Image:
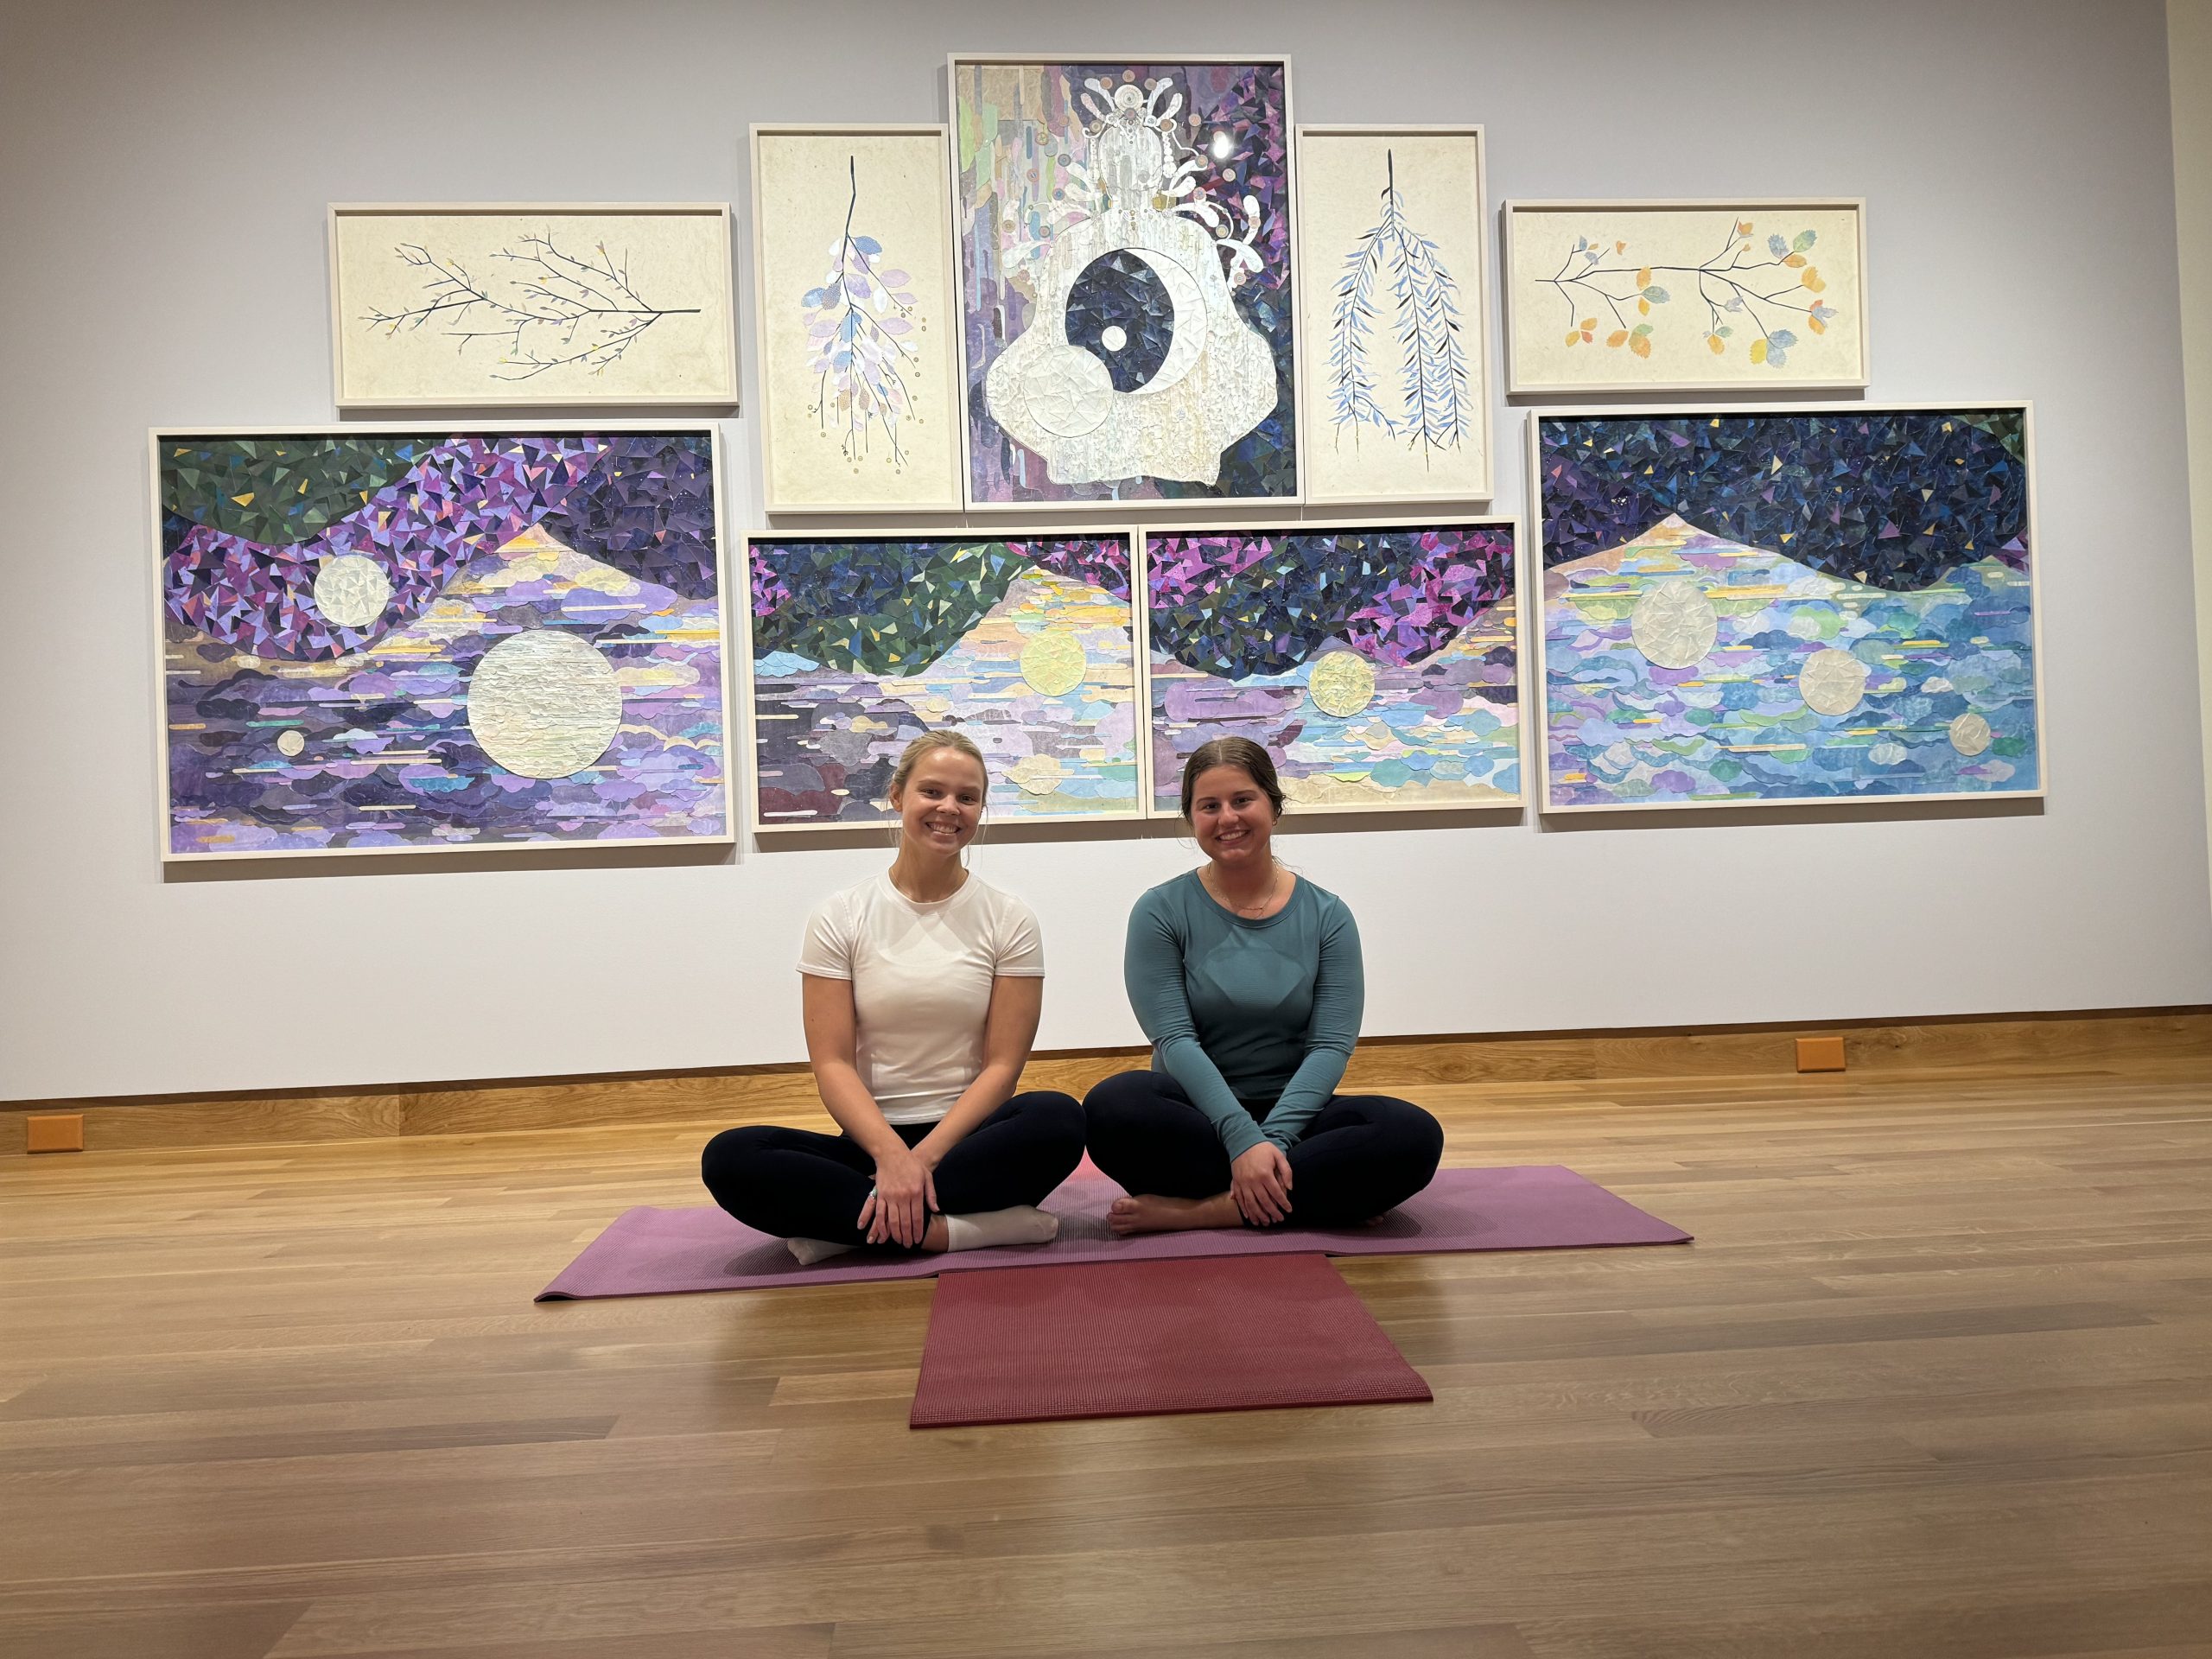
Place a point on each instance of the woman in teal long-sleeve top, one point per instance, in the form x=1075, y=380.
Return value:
x=1247, y=979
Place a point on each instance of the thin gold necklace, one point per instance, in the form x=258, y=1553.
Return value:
x=1275, y=880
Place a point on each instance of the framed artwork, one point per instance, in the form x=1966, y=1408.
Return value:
x=1125, y=247
x=1756, y=606
x=1395, y=313
x=1378, y=664
x=454, y=306
x=855, y=319
x=1760, y=295
x=1026, y=641
x=401, y=640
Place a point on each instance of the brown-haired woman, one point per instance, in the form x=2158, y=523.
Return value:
x=1248, y=980
x=922, y=990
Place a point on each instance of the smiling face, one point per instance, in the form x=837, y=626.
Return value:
x=1231, y=816
x=942, y=803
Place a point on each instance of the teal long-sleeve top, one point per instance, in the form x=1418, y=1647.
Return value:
x=1242, y=1012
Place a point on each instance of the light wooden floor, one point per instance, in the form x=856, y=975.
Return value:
x=1937, y=1379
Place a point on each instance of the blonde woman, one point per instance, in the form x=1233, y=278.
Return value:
x=921, y=987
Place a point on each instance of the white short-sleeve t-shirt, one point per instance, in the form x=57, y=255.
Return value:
x=921, y=978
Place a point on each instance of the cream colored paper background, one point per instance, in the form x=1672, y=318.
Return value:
x=674, y=259
x=1542, y=238
x=1340, y=179
x=800, y=207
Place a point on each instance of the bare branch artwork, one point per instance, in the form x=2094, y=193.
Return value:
x=556, y=311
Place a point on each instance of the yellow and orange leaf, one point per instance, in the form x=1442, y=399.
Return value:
x=1758, y=350
x=1620, y=336
x=1717, y=344
x=1816, y=324
x=1641, y=345
x=1644, y=278
x=1644, y=306
x=1572, y=335
x=1795, y=261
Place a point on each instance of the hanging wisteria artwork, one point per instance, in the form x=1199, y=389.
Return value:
x=1397, y=392
x=853, y=295
x=475, y=306
x=1650, y=296
x=379, y=641
x=1747, y=607
x=1378, y=665
x=1124, y=243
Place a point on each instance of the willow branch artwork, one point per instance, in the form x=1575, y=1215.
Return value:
x=557, y=310
x=1396, y=261
x=1733, y=284
x=860, y=314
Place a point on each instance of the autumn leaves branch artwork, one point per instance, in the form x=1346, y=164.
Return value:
x=1759, y=287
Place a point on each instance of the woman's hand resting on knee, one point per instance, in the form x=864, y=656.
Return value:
x=1259, y=1179
x=905, y=1193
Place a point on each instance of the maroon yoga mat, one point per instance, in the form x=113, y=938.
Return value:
x=647, y=1252
x=1143, y=1338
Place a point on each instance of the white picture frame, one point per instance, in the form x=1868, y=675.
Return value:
x=1637, y=347
x=162, y=641
x=993, y=495
x=1440, y=227
x=511, y=305
x=900, y=449
x=1318, y=801
x=1540, y=574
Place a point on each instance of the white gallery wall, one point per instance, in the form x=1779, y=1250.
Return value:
x=2188, y=37
x=166, y=169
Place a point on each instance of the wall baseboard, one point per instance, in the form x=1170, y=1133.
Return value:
x=756, y=1094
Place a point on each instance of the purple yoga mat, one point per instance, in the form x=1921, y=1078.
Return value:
x=648, y=1252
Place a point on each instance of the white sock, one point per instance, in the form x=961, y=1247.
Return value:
x=1022, y=1225
x=811, y=1250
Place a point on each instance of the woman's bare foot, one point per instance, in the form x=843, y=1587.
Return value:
x=1146, y=1212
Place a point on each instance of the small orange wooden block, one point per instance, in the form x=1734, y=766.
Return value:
x=1820, y=1054
x=54, y=1132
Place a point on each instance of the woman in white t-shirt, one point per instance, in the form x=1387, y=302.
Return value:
x=922, y=991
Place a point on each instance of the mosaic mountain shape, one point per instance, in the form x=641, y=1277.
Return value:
x=1892, y=499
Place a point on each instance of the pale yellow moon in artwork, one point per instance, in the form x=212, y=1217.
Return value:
x=1970, y=733
x=1036, y=774
x=1053, y=663
x=544, y=704
x=1674, y=623
x=352, y=590
x=1341, y=684
x=1832, y=682
x=290, y=743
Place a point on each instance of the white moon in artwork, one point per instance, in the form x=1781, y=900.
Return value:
x=544, y=704
x=290, y=744
x=1832, y=682
x=1112, y=337
x=1674, y=623
x=1970, y=733
x=352, y=590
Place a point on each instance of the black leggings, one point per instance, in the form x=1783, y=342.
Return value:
x=1361, y=1154
x=797, y=1184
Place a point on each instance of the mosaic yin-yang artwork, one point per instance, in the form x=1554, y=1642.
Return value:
x=1378, y=666
x=1752, y=607
x=1026, y=643
x=1124, y=235
x=389, y=642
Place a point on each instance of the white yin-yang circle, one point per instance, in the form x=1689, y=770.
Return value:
x=544, y=704
x=352, y=590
